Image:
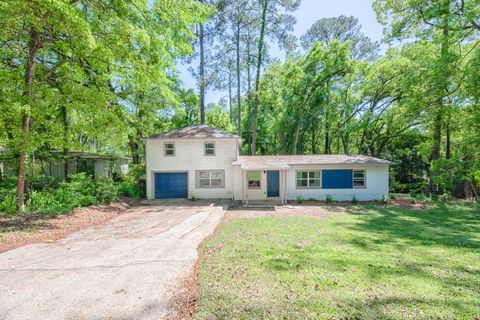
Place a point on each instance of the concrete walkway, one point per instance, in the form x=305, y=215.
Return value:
x=124, y=269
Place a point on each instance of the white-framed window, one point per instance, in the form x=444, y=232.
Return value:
x=210, y=178
x=209, y=148
x=359, y=178
x=169, y=149
x=309, y=179
x=253, y=179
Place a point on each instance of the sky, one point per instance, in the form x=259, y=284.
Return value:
x=307, y=14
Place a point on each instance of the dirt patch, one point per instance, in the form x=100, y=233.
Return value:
x=29, y=228
x=184, y=302
x=405, y=203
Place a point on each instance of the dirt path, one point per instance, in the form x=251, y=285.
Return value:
x=124, y=269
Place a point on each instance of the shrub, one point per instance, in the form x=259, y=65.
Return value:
x=393, y=196
x=446, y=196
x=300, y=199
x=385, y=199
x=106, y=191
x=312, y=199
x=354, y=200
x=129, y=188
x=329, y=199
x=7, y=200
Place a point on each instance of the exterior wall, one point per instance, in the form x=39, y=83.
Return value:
x=189, y=157
x=376, y=183
x=255, y=194
x=102, y=168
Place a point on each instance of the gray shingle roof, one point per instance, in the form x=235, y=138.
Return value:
x=283, y=162
x=201, y=131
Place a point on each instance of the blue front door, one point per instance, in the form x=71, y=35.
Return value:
x=273, y=184
x=169, y=185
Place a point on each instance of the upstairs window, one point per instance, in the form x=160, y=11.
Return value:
x=253, y=179
x=308, y=179
x=359, y=178
x=209, y=148
x=169, y=149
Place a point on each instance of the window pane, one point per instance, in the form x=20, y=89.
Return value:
x=358, y=183
x=254, y=184
x=314, y=182
x=210, y=152
x=217, y=174
x=253, y=175
x=169, y=152
x=302, y=183
x=302, y=175
x=217, y=182
x=358, y=174
x=209, y=145
x=315, y=175
x=204, y=182
x=204, y=175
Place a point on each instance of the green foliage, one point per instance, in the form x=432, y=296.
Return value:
x=354, y=200
x=379, y=250
x=133, y=184
x=106, y=191
x=81, y=190
x=300, y=199
x=329, y=199
x=312, y=199
x=7, y=200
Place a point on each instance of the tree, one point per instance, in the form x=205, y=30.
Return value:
x=56, y=44
x=437, y=23
x=343, y=29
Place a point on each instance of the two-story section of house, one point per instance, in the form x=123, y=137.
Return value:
x=194, y=161
x=203, y=162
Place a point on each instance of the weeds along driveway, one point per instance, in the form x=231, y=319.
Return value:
x=125, y=269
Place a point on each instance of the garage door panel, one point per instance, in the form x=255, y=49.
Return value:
x=169, y=185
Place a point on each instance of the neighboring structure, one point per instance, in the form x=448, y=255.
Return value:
x=204, y=162
x=92, y=164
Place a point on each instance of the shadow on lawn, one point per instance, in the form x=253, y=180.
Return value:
x=451, y=226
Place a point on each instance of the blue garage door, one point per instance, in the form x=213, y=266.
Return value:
x=171, y=185
x=337, y=179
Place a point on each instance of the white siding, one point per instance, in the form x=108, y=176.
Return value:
x=189, y=157
x=376, y=183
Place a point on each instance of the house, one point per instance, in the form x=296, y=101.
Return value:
x=93, y=164
x=203, y=162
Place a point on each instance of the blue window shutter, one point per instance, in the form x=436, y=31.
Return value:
x=337, y=179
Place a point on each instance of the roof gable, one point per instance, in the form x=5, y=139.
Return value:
x=201, y=131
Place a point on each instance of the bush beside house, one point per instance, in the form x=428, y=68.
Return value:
x=50, y=196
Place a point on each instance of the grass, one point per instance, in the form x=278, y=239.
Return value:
x=374, y=262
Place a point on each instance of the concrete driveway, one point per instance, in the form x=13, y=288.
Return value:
x=125, y=269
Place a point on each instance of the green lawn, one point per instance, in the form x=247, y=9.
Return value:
x=373, y=262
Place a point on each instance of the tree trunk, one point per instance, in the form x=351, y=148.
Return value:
x=448, y=141
x=134, y=149
x=230, y=92
x=438, y=118
x=239, y=98
x=257, y=77
x=65, y=141
x=326, y=148
x=248, y=101
x=34, y=45
x=202, y=73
